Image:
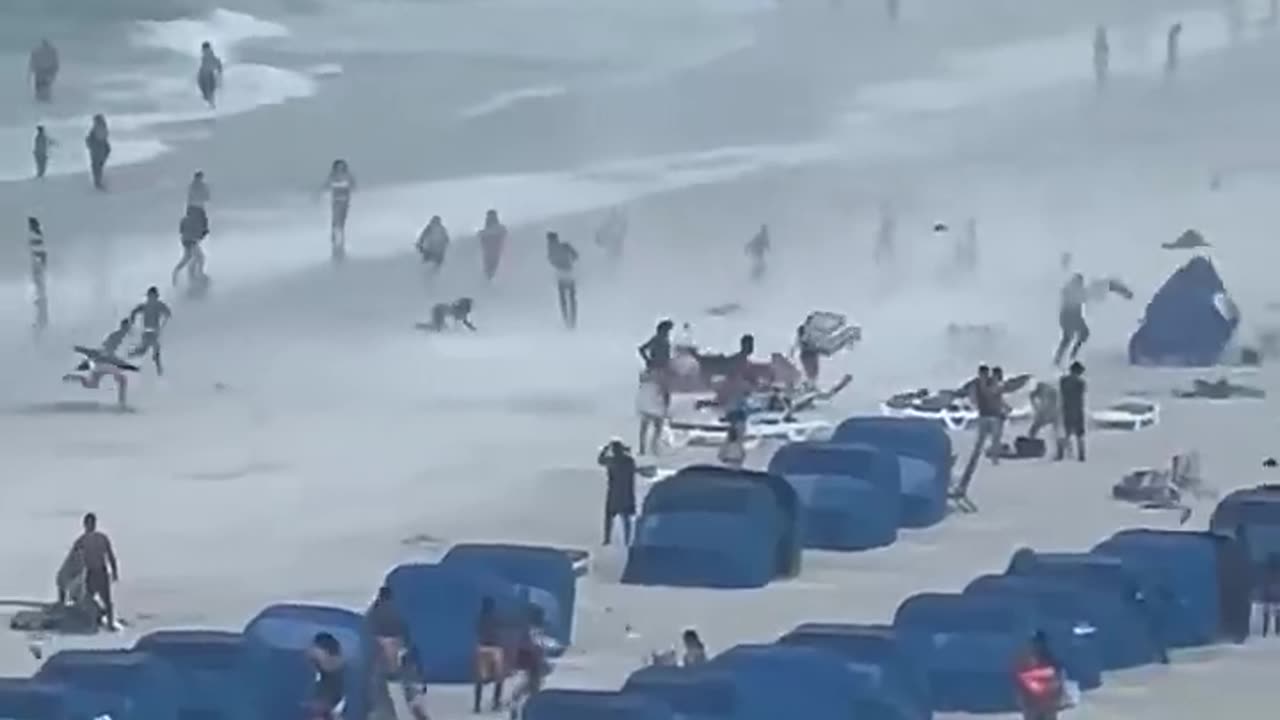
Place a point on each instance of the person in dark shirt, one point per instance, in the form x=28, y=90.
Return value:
x=1072, y=390
x=531, y=659
x=490, y=655
x=100, y=567
x=387, y=628
x=1269, y=595
x=620, y=495
x=987, y=400
x=329, y=693
x=563, y=258
x=656, y=351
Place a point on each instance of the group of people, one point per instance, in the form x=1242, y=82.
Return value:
x=104, y=361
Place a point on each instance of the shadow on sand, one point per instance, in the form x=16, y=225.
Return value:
x=74, y=407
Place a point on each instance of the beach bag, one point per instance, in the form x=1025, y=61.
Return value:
x=1028, y=447
x=829, y=332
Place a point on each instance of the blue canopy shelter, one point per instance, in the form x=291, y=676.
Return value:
x=844, y=505
x=923, y=449
x=219, y=673
x=692, y=693
x=31, y=699
x=594, y=705
x=898, y=679
x=1188, y=322
x=778, y=681
x=123, y=684
x=544, y=576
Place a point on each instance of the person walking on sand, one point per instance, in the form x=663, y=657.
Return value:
x=40, y=148
x=1072, y=388
x=100, y=566
x=433, y=245
x=209, y=76
x=490, y=657
x=39, y=273
x=620, y=492
x=98, y=141
x=1101, y=58
x=43, y=66
x=493, y=240
x=341, y=184
x=192, y=230
x=563, y=259
x=987, y=400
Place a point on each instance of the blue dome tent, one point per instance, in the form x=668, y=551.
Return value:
x=1188, y=322
x=715, y=527
x=30, y=699
x=441, y=604
x=123, y=684
x=923, y=449
x=778, y=681
x=848, y=494
x=289, y=629
x=692, y=693
x=219, y=672
x=898, y=679
x=544, y=576
x=594, y=705
x=1139, y=590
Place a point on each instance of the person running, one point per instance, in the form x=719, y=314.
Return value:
x=329, y=689
x=987, y=400
x=611, y=236
x=531, y=660
x=490, y=659
x=695, y=652
x=155, y=316
x=563, y=258
x=1075, y=331
x=43, y=66
x=209, y=76
x=433, y=244
x=100, y=567
x=40, y=148
x=620, y=492
x=39, y=273
x=192, y=229
x=1101, y=58
x=98, y=141
x=758, y=249
x=1072, y=388
x=493, y=240
x=340, y=184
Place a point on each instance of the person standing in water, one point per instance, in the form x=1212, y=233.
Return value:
x=209, y=76
x=493, y=239
x=758, y=249
x=563, y=258
x=98, y=141
x=43, y=67
x=1172, y=43
x=340, y=184
x=1101, y=58
x=192, y=229
x=433, y=244
x=155, y=316
x=39, y=268
x=40, y=151
x=1075, y=331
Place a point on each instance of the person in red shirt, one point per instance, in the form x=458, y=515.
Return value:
x=1038, y=683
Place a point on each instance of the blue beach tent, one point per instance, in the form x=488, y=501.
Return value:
x=31, y=699
x=779, y=681
x=923, y=449
x=123, y=684
x=844, y=504
x=594, y=705
x=895, y=677
x=220, y=674
x=692, y=693
x=544, y=576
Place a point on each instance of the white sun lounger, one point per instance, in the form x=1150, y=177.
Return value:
x=957, y=417
x=760, y=426
x=1127, y=414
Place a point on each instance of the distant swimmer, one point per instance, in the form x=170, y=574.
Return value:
x=105, y=362
x=43, y=67
x=192, y=230
x=457, y=312
x=98, y=141
x=40, y=151
x=1172, y=43
x=611, y=236
x=1075, y=331
x=433, y=244
x=758, y=249
x=563, y=258
x=493, y=240
x=209, y=76
x=155, y=316
x=1101, y=58
x=340, y=184
x=39, y=269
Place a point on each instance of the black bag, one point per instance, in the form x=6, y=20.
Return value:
x=1028, y=447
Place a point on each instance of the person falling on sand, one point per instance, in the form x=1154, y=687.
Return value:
x=340, y=184
x=100, y=567
x=458, y=311
x=155, y=315
x=91, y=370
x=40, y=148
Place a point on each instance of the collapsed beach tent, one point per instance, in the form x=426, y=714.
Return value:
x=440, y=605
x=288, y=631
x=1187, y=563
x=1252, y=517
x=896, y=679
x=1135, y=586
x=692, y=693
x=219, y=673
x=543, y=576
x=968, y=645
x=30, y=699
x=779, y=681
x=717, y=527
x=122, y=684
x=849, y=494
x=923, y=449
x=1188, y=322
x=594, y=705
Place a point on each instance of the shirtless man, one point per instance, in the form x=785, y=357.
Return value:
x=91, y=371
x=155, y=315
x=100, y=566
